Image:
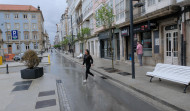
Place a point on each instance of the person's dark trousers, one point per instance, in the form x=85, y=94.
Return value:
x=88, y=72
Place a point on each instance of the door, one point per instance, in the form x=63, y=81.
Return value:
x=118, y=47
x=9, y=49
x=171, y=47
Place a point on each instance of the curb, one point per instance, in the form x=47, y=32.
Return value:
x=133, y=88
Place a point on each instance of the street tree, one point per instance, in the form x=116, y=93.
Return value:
x=83, y=35
x=105, y=17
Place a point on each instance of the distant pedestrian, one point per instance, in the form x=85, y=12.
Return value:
x=139, y=52
x=88, y=60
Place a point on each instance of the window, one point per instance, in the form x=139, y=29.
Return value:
x=120, y=9
x=147, y=44
x=9, y=37
x=26, y=35
x=33, y=16
x=151, y=2
x=7, y=16
x=35, y=36
x=25, y=16
x=26, y=26
x=17, y=26
x=8, y=26
x=16, y=16
x=34, y=26
x=18, y=47
x=36, y=46
x=27, y=47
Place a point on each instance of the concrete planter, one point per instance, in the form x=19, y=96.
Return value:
x=32, y=73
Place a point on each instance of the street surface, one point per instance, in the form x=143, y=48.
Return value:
x=95, y=95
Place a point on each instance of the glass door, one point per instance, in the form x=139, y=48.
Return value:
x=171, y=49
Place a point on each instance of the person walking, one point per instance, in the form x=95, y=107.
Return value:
x=139, y=52
x=88, y=60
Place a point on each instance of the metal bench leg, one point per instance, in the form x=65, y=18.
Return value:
x=160, y=79
x=151, y=79
x=185, y=88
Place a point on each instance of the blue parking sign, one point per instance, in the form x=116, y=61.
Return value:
x=14, y=34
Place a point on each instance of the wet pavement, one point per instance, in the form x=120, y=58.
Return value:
x=11, y=69
x=97, y=94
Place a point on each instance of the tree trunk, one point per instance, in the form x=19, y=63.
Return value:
x=111, y=48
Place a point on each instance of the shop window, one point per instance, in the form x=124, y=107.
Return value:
x=147, y=43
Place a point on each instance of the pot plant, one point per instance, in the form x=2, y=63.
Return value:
x=31, y=60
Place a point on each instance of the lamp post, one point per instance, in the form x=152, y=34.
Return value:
x=132, y=35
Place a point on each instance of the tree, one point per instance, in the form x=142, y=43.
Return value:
x=105, y=17
x=83, y=34
x=57, y=46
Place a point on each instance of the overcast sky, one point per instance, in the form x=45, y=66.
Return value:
x=52, y=11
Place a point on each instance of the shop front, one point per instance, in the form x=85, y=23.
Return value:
x=106, y=45
x=144, y=33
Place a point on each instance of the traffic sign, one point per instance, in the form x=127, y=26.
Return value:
x=14, y=34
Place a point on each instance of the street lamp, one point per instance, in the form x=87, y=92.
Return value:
x=139, y=4
x=71, y=32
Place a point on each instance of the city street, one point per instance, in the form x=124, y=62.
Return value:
x=95, y=95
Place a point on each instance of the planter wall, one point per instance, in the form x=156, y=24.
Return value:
x=32, y=73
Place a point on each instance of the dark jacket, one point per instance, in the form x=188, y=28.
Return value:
x=87, y=60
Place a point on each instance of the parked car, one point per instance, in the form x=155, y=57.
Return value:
x=18, y=57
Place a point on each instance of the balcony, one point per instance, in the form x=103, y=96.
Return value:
x=79, y=19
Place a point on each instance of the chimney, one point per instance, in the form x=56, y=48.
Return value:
x=38, y=7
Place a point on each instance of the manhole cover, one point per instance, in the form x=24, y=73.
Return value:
x=124, y=73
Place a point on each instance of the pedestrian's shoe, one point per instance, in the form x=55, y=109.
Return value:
x=84, y=81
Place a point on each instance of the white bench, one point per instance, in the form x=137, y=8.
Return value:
x=174, y=73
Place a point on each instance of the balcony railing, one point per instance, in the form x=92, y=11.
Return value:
x=136, y=13
x=79, y=19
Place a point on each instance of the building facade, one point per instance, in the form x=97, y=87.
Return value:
x=29, y=23
x=160, y=25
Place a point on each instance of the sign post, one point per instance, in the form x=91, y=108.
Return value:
x=15, y=37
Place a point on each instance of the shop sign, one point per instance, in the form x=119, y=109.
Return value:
x=125, y=31
x=171, y=27
x=144, y=27
x=104, y=35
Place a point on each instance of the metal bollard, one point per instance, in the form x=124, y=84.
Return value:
x=7, y=69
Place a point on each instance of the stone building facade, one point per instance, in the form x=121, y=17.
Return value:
x=29, y=23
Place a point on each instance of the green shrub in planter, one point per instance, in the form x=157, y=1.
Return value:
x=31, y=60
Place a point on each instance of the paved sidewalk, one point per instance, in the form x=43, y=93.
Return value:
x=165, y=92
x=28, y=95
x=18, y=64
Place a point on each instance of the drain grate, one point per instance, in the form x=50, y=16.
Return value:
x=63, y=100
x=103, y=77
x=124, y=73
